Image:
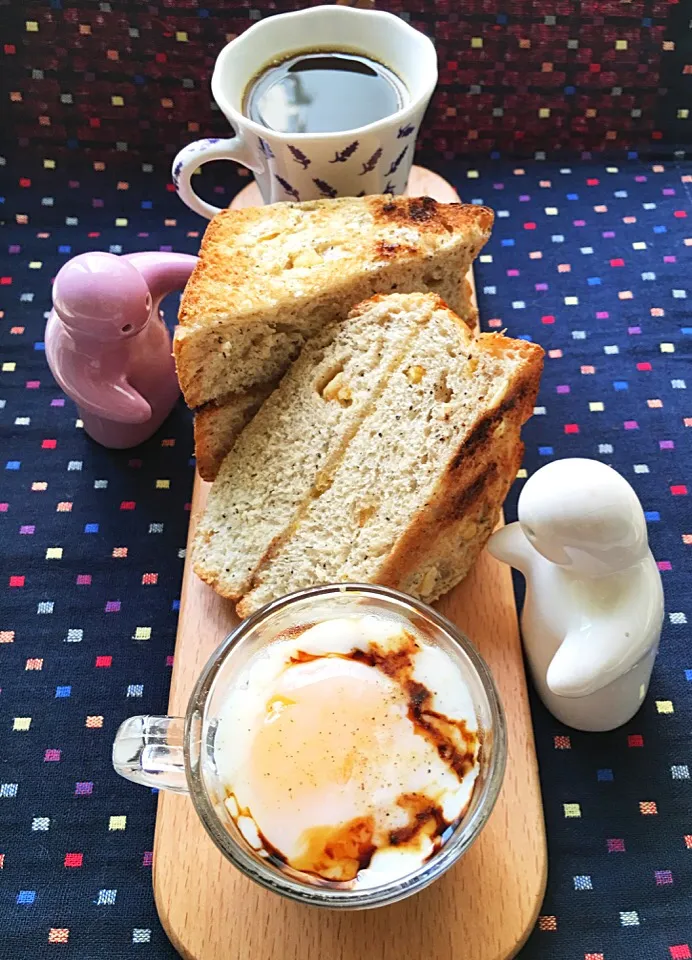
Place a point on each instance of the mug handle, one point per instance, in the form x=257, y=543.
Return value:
x=202, y=151
x=149, y=750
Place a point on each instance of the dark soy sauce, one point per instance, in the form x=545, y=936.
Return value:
x=323, y=92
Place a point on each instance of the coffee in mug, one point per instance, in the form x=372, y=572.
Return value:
x=323, y=92
x=324, y=102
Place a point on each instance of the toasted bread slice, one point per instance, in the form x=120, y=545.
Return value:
x=270, y=277
x=396, y=477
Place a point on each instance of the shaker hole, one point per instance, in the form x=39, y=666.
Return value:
x=126, y=328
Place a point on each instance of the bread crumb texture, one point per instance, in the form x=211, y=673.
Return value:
x=384, y=455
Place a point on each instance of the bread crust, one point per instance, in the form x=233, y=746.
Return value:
x=217, y=424
x=439, y=546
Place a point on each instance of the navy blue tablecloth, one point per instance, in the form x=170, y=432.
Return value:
x=592, y=260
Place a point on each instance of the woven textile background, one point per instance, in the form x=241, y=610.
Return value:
x=515, y=76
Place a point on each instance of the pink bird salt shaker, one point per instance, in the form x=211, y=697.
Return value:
x=107, y=345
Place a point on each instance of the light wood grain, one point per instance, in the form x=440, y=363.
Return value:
x=482, y=909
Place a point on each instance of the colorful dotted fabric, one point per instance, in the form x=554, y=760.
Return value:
x=593, y=261
x=521, y=77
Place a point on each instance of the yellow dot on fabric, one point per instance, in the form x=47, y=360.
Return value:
x=93, y=722
x=620, y=44
x=49, y=164
x=625, y=295
x=476, y=42
x=596, y=406
x=591, y=113
x=35, y=265
x=9, y=366
x=163, y=484
x=121, y=221
x=486, y=258
x=572, y=809
x=84, y=29
x=525, y=44
x=21, y=723
x=181, y=36
x=571, y=301
x=551, y=211
x=472, y=174
x=117, y=101
x=54, y=553
x=639, y=245
x=658, y=168
x=117, y=823
x=31, y=26
x=654, y=404
x=544, y=112
x=522, y=474
x=142, y=633
x=683, y=113
x=612, y=169
x=667, y=347
x=668, y=45
x=665, y=706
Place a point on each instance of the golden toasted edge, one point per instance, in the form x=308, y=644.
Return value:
x=472, y=467
x=213, y=439
x=426, y=214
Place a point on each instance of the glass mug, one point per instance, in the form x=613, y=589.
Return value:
x=177, y=754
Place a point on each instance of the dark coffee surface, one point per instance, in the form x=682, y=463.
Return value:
x=322, y=92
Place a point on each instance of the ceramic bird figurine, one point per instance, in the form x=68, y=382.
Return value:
x=107, y=345
x=594, y=601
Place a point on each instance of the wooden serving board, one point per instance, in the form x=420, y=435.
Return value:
x=482, y=909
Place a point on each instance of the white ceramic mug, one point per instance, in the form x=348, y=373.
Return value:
x=304, y=166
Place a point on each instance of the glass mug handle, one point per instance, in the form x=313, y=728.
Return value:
x=195, y=154
x=149, y=750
